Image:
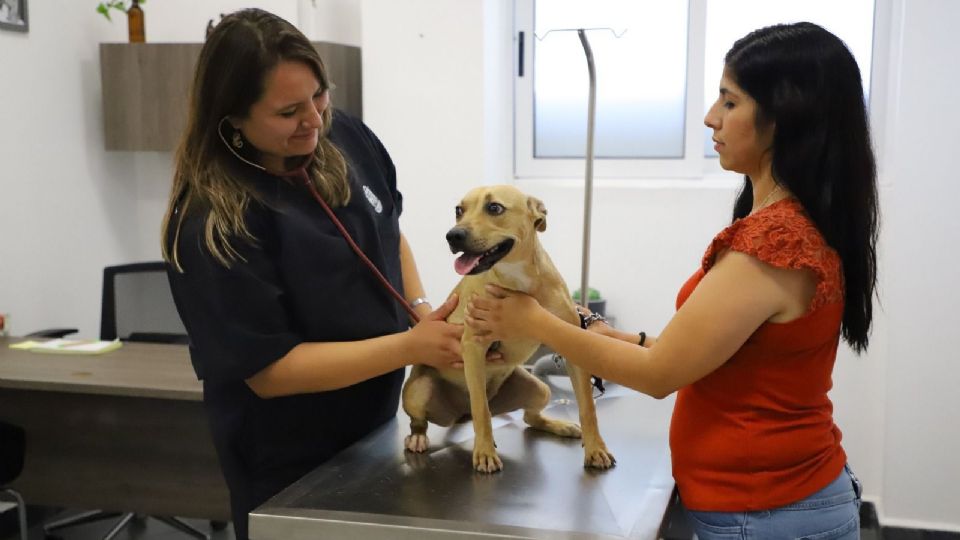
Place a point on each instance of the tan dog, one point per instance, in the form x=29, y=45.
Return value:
x=497, y=232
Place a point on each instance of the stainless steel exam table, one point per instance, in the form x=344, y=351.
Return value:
x=376, y=490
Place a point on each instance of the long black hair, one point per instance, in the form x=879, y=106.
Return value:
x=807, y=83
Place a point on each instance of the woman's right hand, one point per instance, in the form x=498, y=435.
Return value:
x=434, y=341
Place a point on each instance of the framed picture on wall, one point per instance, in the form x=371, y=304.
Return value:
x=13, y=15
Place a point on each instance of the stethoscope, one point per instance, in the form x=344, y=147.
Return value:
x=300, y=174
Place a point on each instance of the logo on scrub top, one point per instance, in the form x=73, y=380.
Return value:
x=373, y=200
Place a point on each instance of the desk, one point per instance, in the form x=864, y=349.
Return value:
x=374, y=490
x=122, y=431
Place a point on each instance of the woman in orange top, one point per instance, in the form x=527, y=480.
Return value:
x=752, y=345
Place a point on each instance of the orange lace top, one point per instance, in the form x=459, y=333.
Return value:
x=758, y=433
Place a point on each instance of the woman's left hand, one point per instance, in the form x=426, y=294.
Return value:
x=502, y=314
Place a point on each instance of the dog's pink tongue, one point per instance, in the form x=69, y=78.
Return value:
x=465, y=263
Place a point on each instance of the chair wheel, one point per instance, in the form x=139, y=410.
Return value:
x=218, y=525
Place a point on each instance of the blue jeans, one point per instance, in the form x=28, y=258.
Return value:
x=831, y=513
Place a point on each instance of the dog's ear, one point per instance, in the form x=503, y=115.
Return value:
x=539, y=213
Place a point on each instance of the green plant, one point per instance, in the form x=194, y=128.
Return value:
x=104, y=8
x=594, y=295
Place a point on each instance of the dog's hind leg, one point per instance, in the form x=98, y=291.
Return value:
x=428, y=398
x=522, y=390
x=417, y=441
x=416, y=395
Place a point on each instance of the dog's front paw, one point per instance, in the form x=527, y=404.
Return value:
x=417, y=442
x=485, y=459
x=598, y=458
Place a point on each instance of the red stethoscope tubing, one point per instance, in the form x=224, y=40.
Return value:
x=302, y=174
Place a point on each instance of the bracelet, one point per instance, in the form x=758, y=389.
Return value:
x=643, y=338
x=419, y=300
x=586, y=321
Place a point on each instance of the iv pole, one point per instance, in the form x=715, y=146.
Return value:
x=588, y=156
x=588, y=174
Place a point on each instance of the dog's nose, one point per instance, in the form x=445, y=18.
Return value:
x=456, y=237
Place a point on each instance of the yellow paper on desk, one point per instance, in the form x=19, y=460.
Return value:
x=75, y=346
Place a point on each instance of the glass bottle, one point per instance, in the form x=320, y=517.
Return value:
x=135, y=23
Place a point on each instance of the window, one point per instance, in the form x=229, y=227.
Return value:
x=658, y=65
x=640, y=103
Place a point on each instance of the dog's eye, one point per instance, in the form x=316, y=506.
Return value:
x=495, y=209
x=459, y=211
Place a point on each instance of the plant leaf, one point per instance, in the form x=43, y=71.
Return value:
x=102, y=9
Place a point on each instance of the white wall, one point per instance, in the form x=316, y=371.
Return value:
x=921, y=482
x=437, y=91
x=331, y=20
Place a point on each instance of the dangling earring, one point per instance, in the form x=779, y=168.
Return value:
x=237, y=141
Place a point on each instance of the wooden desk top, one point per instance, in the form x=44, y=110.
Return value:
x=135, y=370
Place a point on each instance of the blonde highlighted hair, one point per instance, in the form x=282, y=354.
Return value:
x=230, y=76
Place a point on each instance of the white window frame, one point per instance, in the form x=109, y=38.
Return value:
x=694, y=164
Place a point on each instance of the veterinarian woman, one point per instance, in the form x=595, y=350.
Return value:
x=299, y=344
x=752, y=345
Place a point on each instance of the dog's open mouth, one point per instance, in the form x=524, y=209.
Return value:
x=475, y=263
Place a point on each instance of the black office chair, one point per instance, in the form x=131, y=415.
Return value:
x=12, y=451
x=136, y=306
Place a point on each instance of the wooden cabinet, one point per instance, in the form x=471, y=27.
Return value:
x=146, y=86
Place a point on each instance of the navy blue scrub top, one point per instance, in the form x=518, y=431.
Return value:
x=300, y=282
